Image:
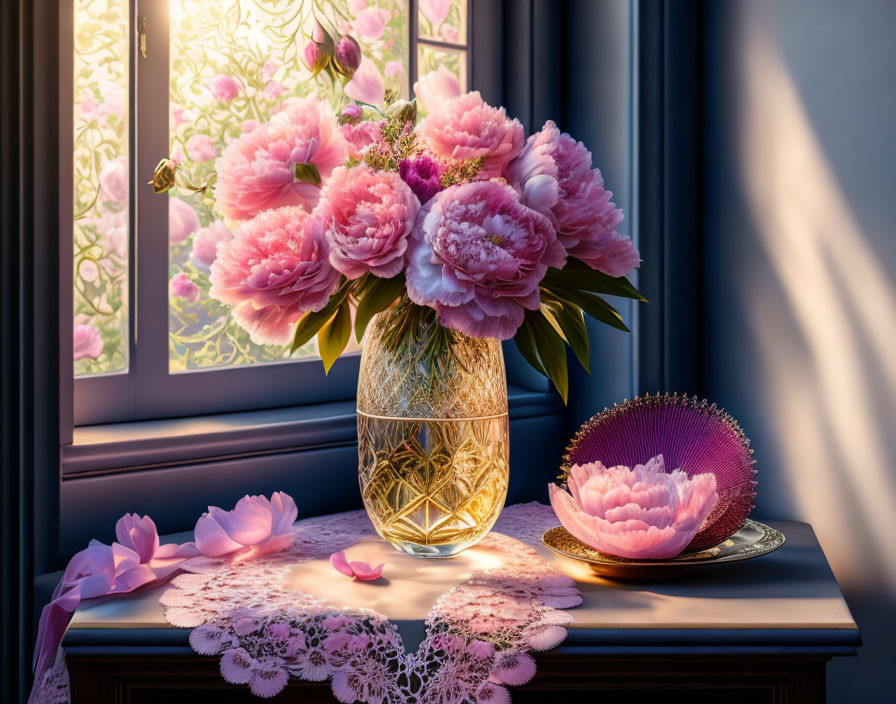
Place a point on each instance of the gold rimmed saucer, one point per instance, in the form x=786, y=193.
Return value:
x=752, y=540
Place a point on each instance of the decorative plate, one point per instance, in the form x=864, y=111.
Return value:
x=752, y=540
x=692, y=435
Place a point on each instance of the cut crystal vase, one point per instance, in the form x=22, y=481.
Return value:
x=432, y=439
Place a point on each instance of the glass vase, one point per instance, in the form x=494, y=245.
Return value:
x=432, y=438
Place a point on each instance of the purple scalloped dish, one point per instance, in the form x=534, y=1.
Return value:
x=691, y=435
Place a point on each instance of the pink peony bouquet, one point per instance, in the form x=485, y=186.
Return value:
x=456, y=222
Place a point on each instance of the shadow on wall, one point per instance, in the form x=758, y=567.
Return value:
x=802, y=332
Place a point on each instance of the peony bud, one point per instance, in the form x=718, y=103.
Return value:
x=350, y=115
x=164, y=175
x=403, y=111
x=319, y=51
x=347, y=56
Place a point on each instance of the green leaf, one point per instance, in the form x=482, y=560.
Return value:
x=307, y=172
x=571, y=322
x=333, y=336
x=311, y=323
x=579, y=276
x=525, y=343
x=377, y=295
x=594, y=306
x=551, y=351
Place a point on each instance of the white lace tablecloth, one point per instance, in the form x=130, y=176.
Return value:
x=479, y=637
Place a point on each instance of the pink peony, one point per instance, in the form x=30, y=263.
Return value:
x=136, y=560
x=477, y=256
x=366, y=85
x=200, y=148
x=224, y=87
x=394, y=68
x=249, y=125
x=370, y=23
x=256, y=526
x=369, y=215
x=205, y=244
x=467, y=128
x=435, y=10
x=350, y=114
x=423, y=175
x=436, y=88
x=360, y=135
x=114, y=181
x=182, y=220
x=640, y=513
x=269, y=69
x=87, y=341
x=553, y=172
x=256, y=172
x=274, y=270
x=182, y=286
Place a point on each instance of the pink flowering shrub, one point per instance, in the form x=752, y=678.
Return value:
x=639, y=513
x=224, y=87
x=200, y=148
x=182, y=286
x=477, y=257
x=274, y=270
x=205, y=244
x=87, y=341
x=468, y=128
x=369, y=215
x=257, y=171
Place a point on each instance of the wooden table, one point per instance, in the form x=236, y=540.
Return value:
x=758, y=631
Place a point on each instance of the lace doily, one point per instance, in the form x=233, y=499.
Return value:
x=479, y=635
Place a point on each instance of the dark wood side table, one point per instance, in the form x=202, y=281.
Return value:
x=758, y=631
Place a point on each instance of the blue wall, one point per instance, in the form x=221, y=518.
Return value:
x=799, y=298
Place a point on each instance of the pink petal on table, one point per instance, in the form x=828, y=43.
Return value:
x=249, y=523
x=340, y=563
x=365, y=572
x=211, y=539
x=139, y=534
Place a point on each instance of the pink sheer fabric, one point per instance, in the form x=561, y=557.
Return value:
x=479, y=635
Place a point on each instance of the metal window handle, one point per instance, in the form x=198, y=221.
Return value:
x=141, y=34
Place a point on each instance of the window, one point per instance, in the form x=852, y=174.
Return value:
x=184, y=78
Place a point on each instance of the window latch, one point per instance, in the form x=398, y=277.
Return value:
x=141, y=34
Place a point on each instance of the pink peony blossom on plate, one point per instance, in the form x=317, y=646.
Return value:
x=366, y=85
x=114, y=181
x=423, y=175
x=205, y=244
x=182, y=220
x=224, y=87
x=200, y=148
x=360, y=135
x=477, y=256
x=436, y=88
x=554, y=174
x=256, y=526
x=87, y=341
x=357, y=569
x=182, y=286
x=467, y=128
x=256, y=172
x=274, y=270
x=640, y=513
x=369, y=215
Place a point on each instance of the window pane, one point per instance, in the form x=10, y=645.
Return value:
x=101, y=186
x=430, y=58
x=232, y=64
x=443, y=20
